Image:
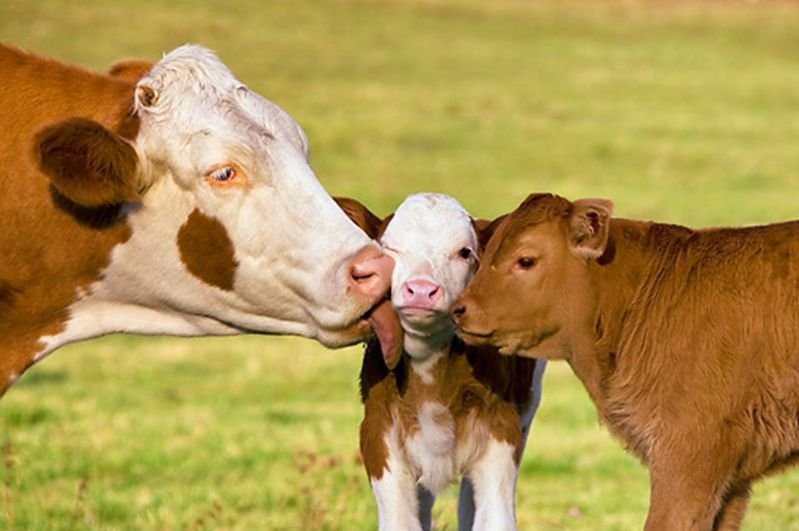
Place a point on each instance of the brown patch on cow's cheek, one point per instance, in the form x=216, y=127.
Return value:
x=207, y=251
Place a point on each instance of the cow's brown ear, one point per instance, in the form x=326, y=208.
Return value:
x=589, y=226
x=130, y=69
x=360, y=215
x=485, y=229
x=88, y=164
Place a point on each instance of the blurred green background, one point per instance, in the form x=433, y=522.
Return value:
x=681, y=111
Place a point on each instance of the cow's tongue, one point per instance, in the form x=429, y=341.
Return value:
x=386, y=325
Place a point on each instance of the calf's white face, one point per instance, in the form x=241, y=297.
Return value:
x=232, y=231
x=434, y=245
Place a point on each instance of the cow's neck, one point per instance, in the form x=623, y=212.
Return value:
x=51, y=249
x=639, y=254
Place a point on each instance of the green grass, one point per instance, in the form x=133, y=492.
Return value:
x=686, y=113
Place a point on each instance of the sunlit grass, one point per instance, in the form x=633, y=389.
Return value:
x=682, y=113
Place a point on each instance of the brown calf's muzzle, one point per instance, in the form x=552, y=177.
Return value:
x=469, y=325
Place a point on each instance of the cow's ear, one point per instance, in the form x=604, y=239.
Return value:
x=130, y=69
x=88, y=164
x=360, y=215
x=589, y=225
x=485, y=229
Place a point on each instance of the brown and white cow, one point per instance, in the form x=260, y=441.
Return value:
x=445, y=409
x=686, y=340
x=182, y=203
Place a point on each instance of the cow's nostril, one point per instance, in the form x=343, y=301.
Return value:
x=459, y=311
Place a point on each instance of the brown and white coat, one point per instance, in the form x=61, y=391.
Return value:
x=166, y=199
x=445, y=410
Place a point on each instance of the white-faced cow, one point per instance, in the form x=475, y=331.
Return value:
x=180, y=204
x=442, y=409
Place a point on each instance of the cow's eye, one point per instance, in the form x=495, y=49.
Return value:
x=465, y=253
x=525, y=262
x=223, y=174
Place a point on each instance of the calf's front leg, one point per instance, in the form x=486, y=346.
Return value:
x=493, y=477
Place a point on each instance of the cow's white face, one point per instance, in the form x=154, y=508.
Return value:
x=433, y=242
x=232, y=232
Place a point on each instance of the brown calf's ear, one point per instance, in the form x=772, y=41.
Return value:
x=88, y=164
x=360, y=215
x=589, y=225
x=485, y=229
x=130, y=69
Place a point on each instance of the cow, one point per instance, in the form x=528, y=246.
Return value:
x=168, y=199
x=687, y=341
x=441, y=409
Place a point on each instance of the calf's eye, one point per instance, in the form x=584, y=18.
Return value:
x=525, y=262
x=465, y=253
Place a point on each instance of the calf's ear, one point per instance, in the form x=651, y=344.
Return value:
x=360, y=215
x=88, y=164
x=485, y=229
x=588, y=227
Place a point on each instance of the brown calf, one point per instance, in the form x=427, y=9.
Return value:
x=687, y=341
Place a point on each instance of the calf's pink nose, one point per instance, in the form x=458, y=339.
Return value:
x=420, y=293
x=370, y=273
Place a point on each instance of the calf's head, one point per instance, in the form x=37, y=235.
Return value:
x=533, y=289
x=434, y=246
x=231, y=231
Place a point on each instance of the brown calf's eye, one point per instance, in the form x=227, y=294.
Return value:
x=525, y=262
x=465, y=253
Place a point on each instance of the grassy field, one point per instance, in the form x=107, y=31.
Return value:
x=686, y=112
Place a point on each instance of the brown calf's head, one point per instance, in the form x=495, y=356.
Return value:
x=533, y=283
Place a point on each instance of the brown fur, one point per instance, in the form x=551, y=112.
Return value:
x=130, y=69
x=87, y=163
x=687, y=341
x=207, y=251
x=49, y=245
x=481, y=389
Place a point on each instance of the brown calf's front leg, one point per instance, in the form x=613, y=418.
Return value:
x=688, y=485
x=733, y=509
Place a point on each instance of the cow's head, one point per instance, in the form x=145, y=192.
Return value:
x=533, y=287
x=433, y=242
x=231, y=231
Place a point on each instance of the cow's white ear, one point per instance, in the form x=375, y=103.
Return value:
x=589, y=226
x=87, y=163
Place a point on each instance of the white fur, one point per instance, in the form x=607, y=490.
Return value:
x=291, y=241
x=396, y=510
x=432, y=450
x=494, y=480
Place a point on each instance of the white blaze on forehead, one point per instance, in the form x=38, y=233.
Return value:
x=190, y=99
x=432, y=223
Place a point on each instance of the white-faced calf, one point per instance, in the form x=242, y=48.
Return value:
x=445, y=410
